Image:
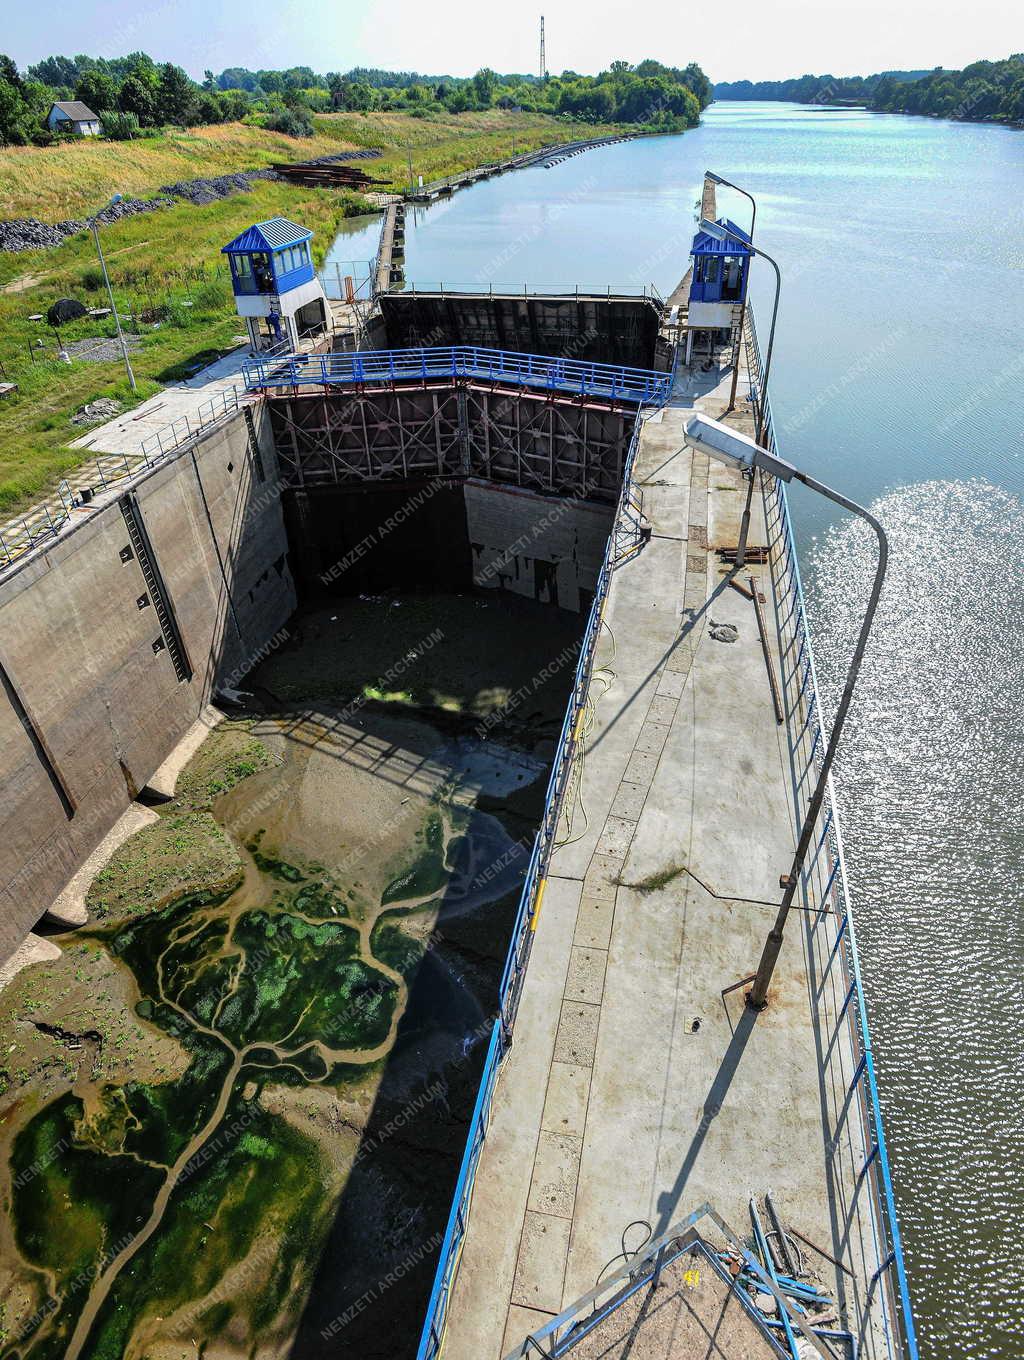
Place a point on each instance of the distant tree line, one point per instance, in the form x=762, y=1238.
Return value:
x=134, y=95
x=989, y=91
x=812, y=89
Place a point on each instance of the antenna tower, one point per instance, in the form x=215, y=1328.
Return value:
x=543, y=59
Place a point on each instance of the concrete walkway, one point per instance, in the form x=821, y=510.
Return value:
x=639, y=1085
x=125, y=433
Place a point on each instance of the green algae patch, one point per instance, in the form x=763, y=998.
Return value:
x=228, y=755
x=167, y=1114
x=71, y=1204
x=428, y=872
x=174, y=856
x=303, y=982
x=392, y=946
x=256, y=1208
x=271, y=862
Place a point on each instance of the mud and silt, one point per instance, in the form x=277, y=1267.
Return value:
x=235, y=1107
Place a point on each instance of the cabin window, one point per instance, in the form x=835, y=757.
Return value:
x=293, y=257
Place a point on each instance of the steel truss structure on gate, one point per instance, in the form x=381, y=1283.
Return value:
x=546, y=442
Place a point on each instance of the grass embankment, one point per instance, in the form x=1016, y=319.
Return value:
x=166, y=267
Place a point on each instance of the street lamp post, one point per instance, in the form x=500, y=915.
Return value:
x=728, y=184
x=110, y=293
x=721, y=233
x=730, y=446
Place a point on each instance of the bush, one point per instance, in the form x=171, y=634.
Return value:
x=292, y=122
x=91, y=278
x=120, y=127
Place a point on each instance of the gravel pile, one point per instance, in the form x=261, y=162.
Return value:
x=103, y=408
x=102, y=351
x=128, y=207
x=28, y=233
x=200, y=191
x=368, y=153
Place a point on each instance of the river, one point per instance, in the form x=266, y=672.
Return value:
x=898, y=366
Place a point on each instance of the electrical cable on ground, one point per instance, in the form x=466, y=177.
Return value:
x=626, y=1254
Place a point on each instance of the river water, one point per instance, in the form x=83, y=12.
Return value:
x=898, y=368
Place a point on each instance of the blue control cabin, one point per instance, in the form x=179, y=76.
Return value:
x=276, y=288
x=718, y=283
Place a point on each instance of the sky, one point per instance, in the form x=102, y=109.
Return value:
x=753, y=39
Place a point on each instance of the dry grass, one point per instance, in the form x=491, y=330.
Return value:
x=151, y=254
x=75, y=178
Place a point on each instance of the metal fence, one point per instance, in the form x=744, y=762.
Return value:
x=552, y=374
x=848, y=1064
x=361, y=272
x=518, y=956
x=105, y=470
x=186, y=427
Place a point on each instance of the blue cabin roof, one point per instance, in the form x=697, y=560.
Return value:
x=275, y=234
x=703, y=244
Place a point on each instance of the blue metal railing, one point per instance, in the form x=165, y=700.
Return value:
x=518, y=956
x=806, y=745
x=375, y=367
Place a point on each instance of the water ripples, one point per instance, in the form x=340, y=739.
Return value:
x=929, y=782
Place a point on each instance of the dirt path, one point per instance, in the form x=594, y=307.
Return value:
x=22, y=284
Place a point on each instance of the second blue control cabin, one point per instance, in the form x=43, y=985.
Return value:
x=718, y=283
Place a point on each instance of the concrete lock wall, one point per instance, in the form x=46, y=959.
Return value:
x=545, y=548
x=89, y=710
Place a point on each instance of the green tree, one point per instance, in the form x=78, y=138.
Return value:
x=176, y=95
x=13, y=128
x=235, y=104
x=336, y=88
x=57, y=72
x=97, y=89
x=485, y=82
x=138, y=97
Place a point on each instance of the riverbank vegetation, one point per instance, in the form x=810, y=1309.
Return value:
x=134, y=96
x=985, y=91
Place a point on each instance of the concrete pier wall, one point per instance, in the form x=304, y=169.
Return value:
x=92, y=702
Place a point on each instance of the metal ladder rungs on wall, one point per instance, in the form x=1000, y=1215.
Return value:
x=139, y=539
